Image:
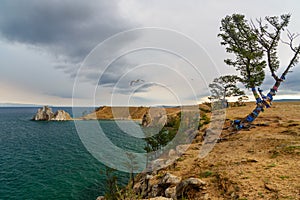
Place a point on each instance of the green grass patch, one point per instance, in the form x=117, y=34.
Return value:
x=180, y=159
x=270, y=166
x=292, y=149
x=284, y=177
x=206, y=174
x=275, y=154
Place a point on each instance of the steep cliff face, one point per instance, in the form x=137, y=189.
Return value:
x=46, y=114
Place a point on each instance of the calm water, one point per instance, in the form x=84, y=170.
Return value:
x=46, y=160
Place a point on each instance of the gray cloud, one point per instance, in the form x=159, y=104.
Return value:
x=128, y=90
x=69, y=29
x=289, y=87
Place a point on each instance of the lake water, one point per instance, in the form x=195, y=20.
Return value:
x=46, y=160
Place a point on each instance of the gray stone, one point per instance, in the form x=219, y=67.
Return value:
x=155, y=190
x=170, y=179
x=172, y=153
x=189, y=184
x=170, y=192
x=148, y=177
x=181, y=149
x=157, y=164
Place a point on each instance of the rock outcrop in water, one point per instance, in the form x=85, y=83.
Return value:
x=43, y=114
x=61, y=115
x=46, y=114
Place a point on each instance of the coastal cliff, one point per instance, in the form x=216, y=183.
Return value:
x=131, y=113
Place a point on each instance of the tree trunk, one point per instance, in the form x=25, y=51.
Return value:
x=262, y=102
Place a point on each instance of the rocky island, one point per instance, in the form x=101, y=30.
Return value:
x=45, y=114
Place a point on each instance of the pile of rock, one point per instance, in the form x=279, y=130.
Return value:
x=46, y=114
x=168, y=186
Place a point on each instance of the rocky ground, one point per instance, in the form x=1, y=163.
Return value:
x=260, y=163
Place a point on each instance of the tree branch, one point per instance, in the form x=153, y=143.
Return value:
x=292, y=37
x=292, y=62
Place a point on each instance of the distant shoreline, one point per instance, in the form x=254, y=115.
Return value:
x=7, y=105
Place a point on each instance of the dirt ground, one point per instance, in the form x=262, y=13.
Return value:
x=260, y=163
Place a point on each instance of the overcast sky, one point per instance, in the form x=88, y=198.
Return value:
x=135, y=52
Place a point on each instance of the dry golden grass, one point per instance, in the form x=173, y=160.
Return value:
x=261, y=163
x=135, y=113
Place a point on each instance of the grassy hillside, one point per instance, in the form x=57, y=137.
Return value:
x=260, y=163
x=135, y=113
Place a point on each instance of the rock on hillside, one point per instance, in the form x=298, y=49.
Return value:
x=46, y=114
x=167, y=186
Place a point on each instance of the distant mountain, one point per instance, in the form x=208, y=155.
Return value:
x=18, y=105
x=286, y=100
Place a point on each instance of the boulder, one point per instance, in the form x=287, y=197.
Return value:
x=170, y=192
x=172, y=153
x=188, y=185
x=181, y=149
x=157, y=164
x=144, y=185
x=155, y=191
x=170, y=179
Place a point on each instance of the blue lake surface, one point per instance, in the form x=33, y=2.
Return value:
x=47, y=160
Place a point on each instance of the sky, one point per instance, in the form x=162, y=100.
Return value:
x=123, y=52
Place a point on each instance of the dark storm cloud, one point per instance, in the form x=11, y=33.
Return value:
x=69, y=29
x=289, y=86
x=292, y=83
x=126, y=89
